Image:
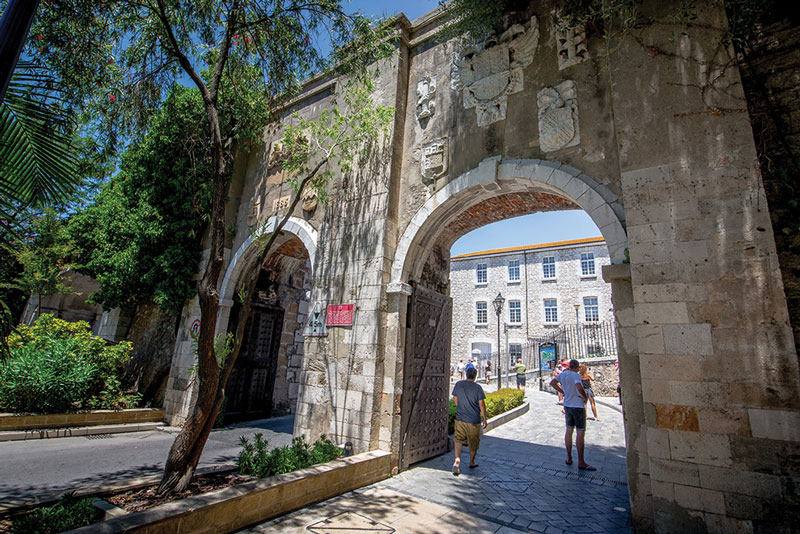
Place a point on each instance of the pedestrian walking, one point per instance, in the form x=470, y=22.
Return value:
x=470, y=417
x=586, y=381
x=569, y=384
x=460, y=369
x=488, y=371
x=520, y=369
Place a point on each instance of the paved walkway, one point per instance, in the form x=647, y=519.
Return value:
x=521, y=485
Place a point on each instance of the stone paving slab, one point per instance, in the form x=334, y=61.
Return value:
x=521, y=484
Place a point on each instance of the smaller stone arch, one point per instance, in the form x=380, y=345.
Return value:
x=601, y=204
x=245, y=253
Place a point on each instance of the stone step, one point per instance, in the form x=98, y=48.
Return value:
x=71, y=432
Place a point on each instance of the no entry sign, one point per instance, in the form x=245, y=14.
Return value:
x=340, y=315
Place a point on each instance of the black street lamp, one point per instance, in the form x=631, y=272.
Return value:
x=498, y=309
x=578, y=328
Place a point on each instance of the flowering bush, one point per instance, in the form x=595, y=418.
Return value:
x=57, y=366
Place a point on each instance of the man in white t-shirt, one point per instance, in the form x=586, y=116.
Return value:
x=568, y=383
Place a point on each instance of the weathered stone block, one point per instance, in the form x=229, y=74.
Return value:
x=674, y=471
x=704, y=500
x=708, y=449
x=775, y=424
x=688, y=339
x=677, y=417
x=736, y=481
x=663, y=313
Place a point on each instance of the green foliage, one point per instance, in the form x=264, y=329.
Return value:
x=141, y=237
x=48, y=377
x=45, y=258
x=506, y=399
x=57, y=366
x=472, y=20
x=69, y=513
x=257, y=460
x=38, y=165
x=114, y=397
x=497, y=402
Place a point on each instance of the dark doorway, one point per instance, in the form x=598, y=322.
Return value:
x=250, y=386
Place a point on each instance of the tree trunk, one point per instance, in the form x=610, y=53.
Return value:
x=188, y=446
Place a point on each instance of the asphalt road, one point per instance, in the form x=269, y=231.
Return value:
x=39, y=468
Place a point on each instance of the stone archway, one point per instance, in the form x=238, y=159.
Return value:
x=492, y=178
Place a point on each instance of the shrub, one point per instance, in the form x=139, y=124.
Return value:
x=67, y=514
x=255, y=459
x=56, y=366
x=33, y=380
x=497, y=402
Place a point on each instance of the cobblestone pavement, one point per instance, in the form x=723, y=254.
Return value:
x=521, y=485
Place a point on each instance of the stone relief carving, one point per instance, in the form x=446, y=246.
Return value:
x=558, y=116
x=571, y=45
x=277, y=155
x=426, y=94
x=492, y=71
x=255, y=210
x=310, y=200
x=434, y=159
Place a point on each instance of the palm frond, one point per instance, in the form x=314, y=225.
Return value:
x=37, y=162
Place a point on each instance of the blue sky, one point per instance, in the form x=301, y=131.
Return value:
x=519, y=231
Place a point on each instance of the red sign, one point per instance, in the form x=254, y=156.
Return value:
x=195, y=328
x=340, y=315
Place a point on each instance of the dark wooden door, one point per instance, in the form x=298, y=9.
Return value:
x=426, y=377
x=250, y=386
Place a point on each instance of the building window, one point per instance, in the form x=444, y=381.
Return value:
x=587, y=264
x=514, y=352
x=480, y=272
x=591, y=309
x=514, y=312
x=550, y=311
x=549, y=267
x=481, y=314
x=595, y=351
x=513, y=270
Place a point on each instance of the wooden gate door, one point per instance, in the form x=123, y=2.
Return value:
x=250, y=386
x=426, y=377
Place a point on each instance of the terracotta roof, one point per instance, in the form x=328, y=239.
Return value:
x=525, y=248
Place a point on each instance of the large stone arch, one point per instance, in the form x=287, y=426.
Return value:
x=601, y=204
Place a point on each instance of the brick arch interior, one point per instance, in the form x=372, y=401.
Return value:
x=435, y=271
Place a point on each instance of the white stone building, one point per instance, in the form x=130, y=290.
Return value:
x=541, y=285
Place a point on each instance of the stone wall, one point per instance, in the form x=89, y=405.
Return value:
x=654, y=143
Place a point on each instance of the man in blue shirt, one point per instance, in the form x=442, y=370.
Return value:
x=470, y=413
x=568, y=383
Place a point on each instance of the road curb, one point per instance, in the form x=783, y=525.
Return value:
x=79, y=431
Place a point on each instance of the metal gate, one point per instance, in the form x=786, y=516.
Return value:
x=426, y=377
x=252, y=380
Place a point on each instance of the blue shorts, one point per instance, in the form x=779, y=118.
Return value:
x=575, y=417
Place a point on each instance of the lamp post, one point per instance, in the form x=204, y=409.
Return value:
x=498, y=309
x=578, y=327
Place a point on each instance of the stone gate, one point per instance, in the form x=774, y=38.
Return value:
x=654, y=142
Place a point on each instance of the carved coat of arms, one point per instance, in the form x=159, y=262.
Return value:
x=558, y=117
x=426, y=92
x=487, y=76
x=434, y=160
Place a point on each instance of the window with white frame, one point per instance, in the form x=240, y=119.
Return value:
x=481, y=313
x=550, y=311
x=549, y=267
x=590, y=309
x=514, y=312
x=481, y=274
x=587, y=264
x=514, y=352
x=595, y=351
x=513, y=270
